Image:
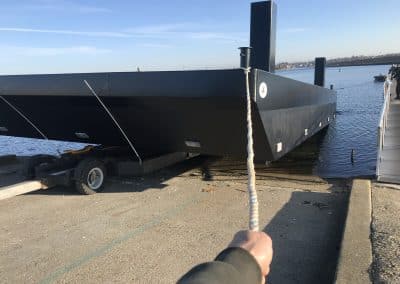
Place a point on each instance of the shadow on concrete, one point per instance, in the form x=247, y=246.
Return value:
x=306, y=235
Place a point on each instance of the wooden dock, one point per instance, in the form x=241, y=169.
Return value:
x=388, y=164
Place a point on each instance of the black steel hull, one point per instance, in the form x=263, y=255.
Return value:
x=193, y=111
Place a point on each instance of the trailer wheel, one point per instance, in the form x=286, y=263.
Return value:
x=89, y=176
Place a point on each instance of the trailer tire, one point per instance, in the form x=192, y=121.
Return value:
x=89, y=176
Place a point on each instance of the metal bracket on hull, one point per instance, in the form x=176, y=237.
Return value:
x=114, y=120
x=24, y=117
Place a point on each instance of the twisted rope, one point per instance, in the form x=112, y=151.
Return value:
x=251, y=173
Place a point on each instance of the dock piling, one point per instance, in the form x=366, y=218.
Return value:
x=319, y=76
x=263, y=35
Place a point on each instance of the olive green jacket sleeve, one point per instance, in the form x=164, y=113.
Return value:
x=233, y=266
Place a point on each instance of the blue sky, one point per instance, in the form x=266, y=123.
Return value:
x=55, y=36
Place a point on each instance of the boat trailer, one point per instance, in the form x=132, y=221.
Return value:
x=86, y=169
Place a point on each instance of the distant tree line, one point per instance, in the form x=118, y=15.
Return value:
x=365, y=60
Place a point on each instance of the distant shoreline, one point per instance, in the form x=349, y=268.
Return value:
x=387, y=59
x=333, y=67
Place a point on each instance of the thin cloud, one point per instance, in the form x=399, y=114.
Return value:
x=54, y=51
x=66, y=32
x=294, y=30
x=183, y=30
x=163, y=28
x=155, y=45
x=200, y=35
x=216, y=36
x=62, y=6
x=162, y=32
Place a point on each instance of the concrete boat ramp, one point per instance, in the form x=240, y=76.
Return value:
x=152, y=229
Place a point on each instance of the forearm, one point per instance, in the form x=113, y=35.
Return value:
x=233, y=265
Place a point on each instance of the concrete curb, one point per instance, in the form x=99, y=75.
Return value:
x=356, y=252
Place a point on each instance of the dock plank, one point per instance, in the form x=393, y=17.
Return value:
x=389, y=157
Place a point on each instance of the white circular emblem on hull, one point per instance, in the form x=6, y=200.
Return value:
x=263, y=90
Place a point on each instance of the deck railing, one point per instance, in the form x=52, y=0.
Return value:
x=383, y=123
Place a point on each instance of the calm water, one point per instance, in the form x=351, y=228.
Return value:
x=359, y=101
x=359, y=104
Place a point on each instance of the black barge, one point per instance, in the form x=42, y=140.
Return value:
x=153, y=113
